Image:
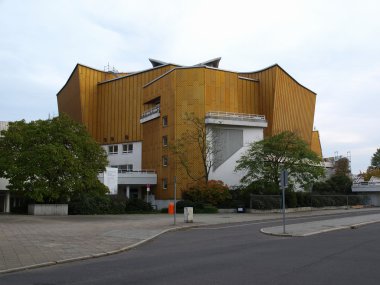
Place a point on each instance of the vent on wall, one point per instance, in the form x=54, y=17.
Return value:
x=112, y=139
x=126, y=137
x=105, y=140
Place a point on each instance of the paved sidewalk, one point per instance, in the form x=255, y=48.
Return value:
x=317, y=227
x=33, y=241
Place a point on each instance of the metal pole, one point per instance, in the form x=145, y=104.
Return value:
x=284, y=183
x=283, y=208
x=311, y=199
x=175, y=199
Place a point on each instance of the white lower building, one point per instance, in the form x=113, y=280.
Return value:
x=232, y=134
x=132, y=181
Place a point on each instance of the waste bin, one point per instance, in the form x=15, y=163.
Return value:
x=240, y=209
x=188, y=212
x=171, y=208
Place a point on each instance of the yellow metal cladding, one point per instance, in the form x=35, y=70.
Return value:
x=316, y=144
x=196, y=90
x=110, y=106
x=121, y=105
x=111, y=109
x=153, y=131
x=227, y=92
x=293, y=108
x=88, y=80
x=267, y=79
x=78, y=97
x=68, y=98
x=287, y=105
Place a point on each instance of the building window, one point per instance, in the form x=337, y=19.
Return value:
x=125, y=168
x=113, y=149
x=164, y=183
x=165, y=141
x=128, y=148
x=165, y=160
x=165, y=121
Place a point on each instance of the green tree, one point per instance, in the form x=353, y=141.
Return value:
x=198, y=141
x=340, y=183
x=264, y=160
x=50, y=160
x=375, y=160
x=342, y=166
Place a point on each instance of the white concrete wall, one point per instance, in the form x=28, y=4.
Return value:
x=126, y=158
x=48, y=209
x=3, y=183
x=226, y=172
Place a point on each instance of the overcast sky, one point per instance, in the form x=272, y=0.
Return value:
x=331, y=47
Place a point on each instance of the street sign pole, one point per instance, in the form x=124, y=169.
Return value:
x=284, y=183
x=147, y=192
x=175, y=199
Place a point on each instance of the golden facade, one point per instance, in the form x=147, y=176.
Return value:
x=110, y=105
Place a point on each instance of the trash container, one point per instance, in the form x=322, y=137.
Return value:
x=240, y=209
x=188, y=212
x=171, y=208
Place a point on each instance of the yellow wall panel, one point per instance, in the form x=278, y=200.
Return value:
x=293, y=108
x=316, y=143
x=68, y=98
x=124, y=104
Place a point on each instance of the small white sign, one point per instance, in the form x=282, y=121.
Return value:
x=110, y=179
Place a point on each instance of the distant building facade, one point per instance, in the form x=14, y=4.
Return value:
x=136, y=116
x=4, y=192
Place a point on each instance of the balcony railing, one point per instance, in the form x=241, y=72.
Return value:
x=150, y=114
x=235, y=116
x=142, y=171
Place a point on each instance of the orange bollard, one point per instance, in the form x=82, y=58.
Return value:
x=171, y=209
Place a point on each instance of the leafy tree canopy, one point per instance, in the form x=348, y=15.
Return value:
x=370, y=173
x=264, y=160
x=50, y=160
x=375, y=160
x=342, y=166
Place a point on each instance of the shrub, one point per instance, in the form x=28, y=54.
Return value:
x=266, y=202
x=137, y=206
x=214, y=193
x=206, y=209
x=117, y=205
x=89, y=204
x=303, y=199
x=290, y=199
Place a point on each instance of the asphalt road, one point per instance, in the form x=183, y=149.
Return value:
x=228, y=254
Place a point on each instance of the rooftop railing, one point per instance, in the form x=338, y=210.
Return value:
x=235, y=116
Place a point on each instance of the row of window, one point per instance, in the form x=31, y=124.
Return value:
x=164, y=183
x=114, y=149
x=124, y=167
